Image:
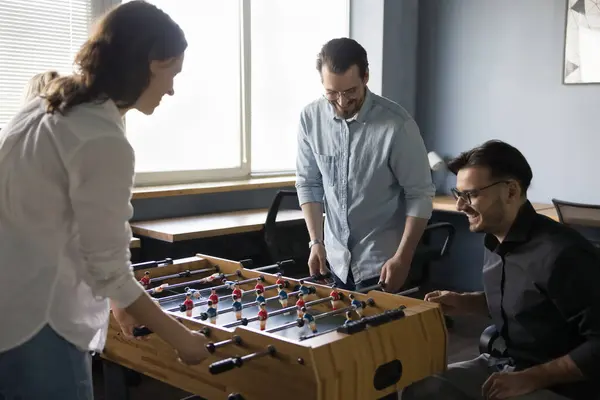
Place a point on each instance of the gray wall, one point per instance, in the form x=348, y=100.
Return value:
x=493, y=70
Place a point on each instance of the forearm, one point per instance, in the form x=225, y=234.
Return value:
x=558, y=371
x=146, y=312
x=313, y=215
x=413, y=231
x=475, y=303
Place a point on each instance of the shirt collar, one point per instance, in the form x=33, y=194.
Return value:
x=361, y=115
x=520, y=230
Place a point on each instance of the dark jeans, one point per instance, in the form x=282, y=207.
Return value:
x=351, y=285
x=46, y=367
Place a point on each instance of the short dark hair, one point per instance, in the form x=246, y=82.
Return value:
x=341, y=54
x=114, y=63
x=503, y=161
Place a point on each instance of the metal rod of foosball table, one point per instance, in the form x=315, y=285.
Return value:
x=277, y=312
x=380, y=286
x=230, y=363
x=318, y=316
x=236, y=273
x=221, y=298
x=211, y=347
x=151, y=264
x=228, y=296
x=203, y=316
x=182, y=284
x=184, y=274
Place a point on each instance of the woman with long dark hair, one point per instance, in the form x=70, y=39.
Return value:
x=66, y=178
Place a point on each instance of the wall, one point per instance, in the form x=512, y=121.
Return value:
x=399, y=60
x=493, y=70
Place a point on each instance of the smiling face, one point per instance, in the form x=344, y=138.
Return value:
x=346, y=91
x=492, y=201
x=163, y=73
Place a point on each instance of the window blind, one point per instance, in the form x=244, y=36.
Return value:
x=37, y=36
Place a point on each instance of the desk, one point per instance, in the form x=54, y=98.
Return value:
x=210, y=225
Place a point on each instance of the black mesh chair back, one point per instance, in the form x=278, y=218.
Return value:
x=583, y=217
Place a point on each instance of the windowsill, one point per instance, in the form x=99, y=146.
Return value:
x=148, y=192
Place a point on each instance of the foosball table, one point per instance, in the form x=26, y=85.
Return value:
x=271, y=336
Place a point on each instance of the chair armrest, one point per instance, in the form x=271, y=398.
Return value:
x=491, y=342
x=274, y=208
x=450, y=232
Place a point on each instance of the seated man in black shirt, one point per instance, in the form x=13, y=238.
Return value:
x=541, y=290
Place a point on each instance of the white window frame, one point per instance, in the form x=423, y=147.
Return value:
x=245, y=169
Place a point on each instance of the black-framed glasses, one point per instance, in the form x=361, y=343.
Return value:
x=466, y=195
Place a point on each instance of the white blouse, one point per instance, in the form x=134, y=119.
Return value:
x=65, y=191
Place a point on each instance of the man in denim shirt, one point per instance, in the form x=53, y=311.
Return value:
x=362, y=161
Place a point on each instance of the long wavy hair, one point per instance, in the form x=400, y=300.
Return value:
x=114, y=63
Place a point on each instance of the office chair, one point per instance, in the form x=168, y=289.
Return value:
x=284, y=242
x=583, y=217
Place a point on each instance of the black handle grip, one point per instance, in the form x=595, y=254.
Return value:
x=137, y=332
x=225, y=365
x=321, y=277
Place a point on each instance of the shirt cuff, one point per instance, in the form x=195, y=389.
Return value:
x=307, y=194
x=126, y=293
x=421, y=207
x=586, y=357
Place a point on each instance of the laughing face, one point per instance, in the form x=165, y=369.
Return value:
x=482, y=199
x=346, y=91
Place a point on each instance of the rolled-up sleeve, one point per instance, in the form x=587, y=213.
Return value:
x=573, y=287
x=101, y=180
x=309, y=182
x=409, y=162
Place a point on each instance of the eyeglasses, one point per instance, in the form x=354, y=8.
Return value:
x=466, y=195
x=349, y=94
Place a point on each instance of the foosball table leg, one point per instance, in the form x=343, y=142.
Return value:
x=115, y=385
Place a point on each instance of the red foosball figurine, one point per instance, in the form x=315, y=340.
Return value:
x=300, y=304
x=237, y=291
x=335, y=298
x=145, y=281
x=187, y=305
x=279, y=280
x=259, y=286
x=214, y=297
x=262, y=316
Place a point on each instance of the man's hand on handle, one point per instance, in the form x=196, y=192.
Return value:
x=317, y=262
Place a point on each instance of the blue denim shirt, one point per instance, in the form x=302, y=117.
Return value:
x=369, y=172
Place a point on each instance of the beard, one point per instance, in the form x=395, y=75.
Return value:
x=488, y=221
x=352, y=107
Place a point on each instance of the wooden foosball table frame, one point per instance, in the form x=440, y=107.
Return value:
x=398, y=341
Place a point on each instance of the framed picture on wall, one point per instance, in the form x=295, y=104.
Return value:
x=582, y=42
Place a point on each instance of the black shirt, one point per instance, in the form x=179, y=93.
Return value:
x=542, y=285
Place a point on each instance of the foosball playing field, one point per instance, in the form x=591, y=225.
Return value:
x=272, y=336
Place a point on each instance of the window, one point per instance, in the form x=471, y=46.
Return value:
x=199, y=128
x=36, y=36
x=286, y=37
x=248, y=72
